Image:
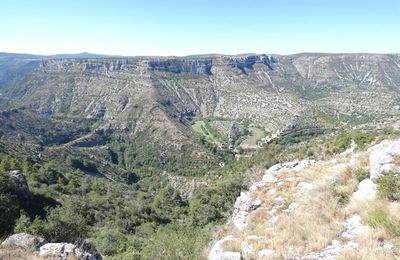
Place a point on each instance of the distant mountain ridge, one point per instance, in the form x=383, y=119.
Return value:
x=82, y=55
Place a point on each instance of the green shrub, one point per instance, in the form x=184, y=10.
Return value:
x=110, y=241
x=341, y=143
x=343, y=198
x=379, y=218
x=23, y=224
x=361, y=174
x=362, y=138
x=177, y=242
x=389, y=186
x=65, y=225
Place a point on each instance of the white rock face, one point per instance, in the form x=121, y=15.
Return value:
x=381, y=158
x=243, y=205
x=366, y=190
x=217, y=251
x=24, y=241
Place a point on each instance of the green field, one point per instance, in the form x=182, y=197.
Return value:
x=202, y=128
x=256, y=135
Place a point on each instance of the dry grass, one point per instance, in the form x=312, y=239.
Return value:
x=232, y=246
x=312, y=226
x=320, y=215
x=371, y=242
x=9, y=253
x=370, y=247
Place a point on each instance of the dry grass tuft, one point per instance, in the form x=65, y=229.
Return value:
x=232, y=246
x=370, y=247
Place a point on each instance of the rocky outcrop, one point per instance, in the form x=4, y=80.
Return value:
x=20, y=178
x=59, y=251
x=243, y=206
x=382, y=158
x=24, y=241
x=64, y=251
x=280, y=167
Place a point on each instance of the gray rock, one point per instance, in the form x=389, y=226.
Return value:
x=64, y=251
x=366, y=190
x=24, y=241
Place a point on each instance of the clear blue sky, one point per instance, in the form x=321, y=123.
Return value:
x=182, y=27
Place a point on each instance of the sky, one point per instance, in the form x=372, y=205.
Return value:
x=185, y=27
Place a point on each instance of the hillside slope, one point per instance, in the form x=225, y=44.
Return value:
x=334, y=209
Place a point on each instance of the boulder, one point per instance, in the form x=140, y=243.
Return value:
x=24, y=241
x=366, y=190
x=381, y=158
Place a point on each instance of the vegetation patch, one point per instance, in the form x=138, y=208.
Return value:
x=361, y=174
x=380, y=218
x=256, y=134
x=389, y=186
